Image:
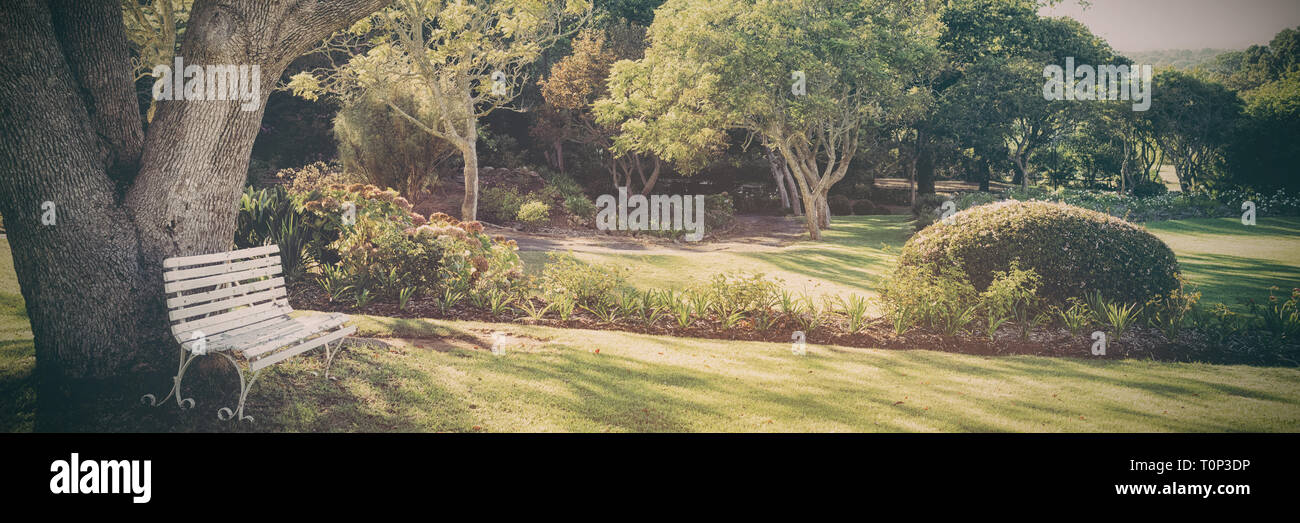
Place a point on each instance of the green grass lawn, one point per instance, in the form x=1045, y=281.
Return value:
x=653, y=383
x=1230, y=262
x=1227, y=261
x=17, y=358
x=857, y=252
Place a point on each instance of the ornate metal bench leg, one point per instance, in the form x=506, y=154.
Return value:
x=184, y=403
x=225, y=414
x=330, y=354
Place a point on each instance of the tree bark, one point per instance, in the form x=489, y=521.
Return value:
x=469, y=205
x=72, y=136
x=778, y=175
x=924, y=165
x=794, y=190
x=649, y=185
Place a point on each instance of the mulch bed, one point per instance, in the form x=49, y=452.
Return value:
x=1138, y=342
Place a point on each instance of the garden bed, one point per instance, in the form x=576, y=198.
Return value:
x=1138, y=343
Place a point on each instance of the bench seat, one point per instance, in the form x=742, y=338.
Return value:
x=234, y=304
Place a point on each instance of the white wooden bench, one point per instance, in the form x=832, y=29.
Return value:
x=235, y=304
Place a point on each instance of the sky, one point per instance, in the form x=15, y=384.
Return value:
x=1146, y=25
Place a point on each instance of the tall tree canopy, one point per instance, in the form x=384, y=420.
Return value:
x=469, y=57
x=803, y=77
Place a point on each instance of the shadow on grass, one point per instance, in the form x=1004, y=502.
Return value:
x=1232, y=279
x=856, y=251
x=1228, y=227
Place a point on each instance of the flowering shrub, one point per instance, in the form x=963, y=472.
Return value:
x=313, y=176
x=1075, y=251
x=384, y=249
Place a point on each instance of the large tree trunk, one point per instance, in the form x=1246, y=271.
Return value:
x=648, y=185
x=794, y=190
x=469, y=205
x=71, y=135
x=469, y=152
x=987, y=174
x=778, y=175
x=924, y=165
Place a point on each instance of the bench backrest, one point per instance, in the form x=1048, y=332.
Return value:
x=215, y=293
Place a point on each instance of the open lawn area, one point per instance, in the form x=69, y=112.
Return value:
x=429, y=375
x=1227, y=261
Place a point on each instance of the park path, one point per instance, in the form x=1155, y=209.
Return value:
x=751, y=233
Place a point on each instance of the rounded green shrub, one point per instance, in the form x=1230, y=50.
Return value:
x=1148, y=189
x=1074, y=250
x=840, y=205
x=868, y=208
x=533, y=213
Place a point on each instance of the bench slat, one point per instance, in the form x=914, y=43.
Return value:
x=212, y=281
x=221, y=268
x=183, y=261
x=220, y=339
x=225, y=305
x=189, y=299
x=299, y=349
x=225, y=321
x=276, y=334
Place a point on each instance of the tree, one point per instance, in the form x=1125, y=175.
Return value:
x=578, y=81
x=1267, y=144
x=804, y=78
x=997, y=50
x=154, y=28
x=469, y=57
x=93, y=203
x=376, y=142
x=1193, y=120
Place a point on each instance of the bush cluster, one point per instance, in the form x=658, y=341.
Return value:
x=1075, y=251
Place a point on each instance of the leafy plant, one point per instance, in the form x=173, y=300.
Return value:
x=535, y=313
x=363, y=298
x=604, y=310
x=534, y=213
x=334, y=281
x=1075, y=317
x=564, y=308
x=700, y=300
x=789, y=305
x=566, y=275
x=683, y=312
x=449, y=299
x=1280, y=317
x=855, y=312
x=955, y=320
x=809, y=316
x=1120, y=317
x=404, y=297
x=1011, y=295
x=499, y=301
x=1169, y=311
x=651, y=307
x=764, y=319
x=731, y=320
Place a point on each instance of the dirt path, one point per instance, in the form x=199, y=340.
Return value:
x=750, y=234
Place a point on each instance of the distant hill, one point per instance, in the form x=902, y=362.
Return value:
x=1181, y=59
